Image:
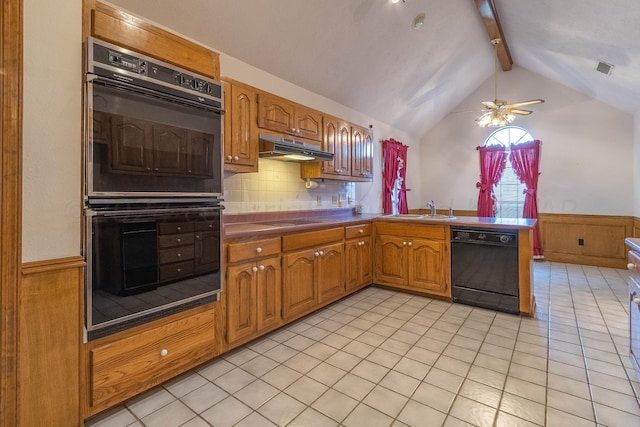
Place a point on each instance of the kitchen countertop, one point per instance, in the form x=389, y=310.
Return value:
x=267, y=223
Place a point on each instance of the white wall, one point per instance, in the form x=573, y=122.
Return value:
x=52, y=127
x=636, y=165
x=587, y=149
x=52, y=104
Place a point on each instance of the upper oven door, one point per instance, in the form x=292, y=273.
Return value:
x=144, y=142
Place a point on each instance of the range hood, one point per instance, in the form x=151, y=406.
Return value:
x=272, y=147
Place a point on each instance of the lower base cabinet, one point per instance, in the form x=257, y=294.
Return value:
x=253, y=298
x=412, y=257
x=125, y=367
x=358, y=262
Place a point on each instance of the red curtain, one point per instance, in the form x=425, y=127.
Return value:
x=525, y=159
x=493, y=160
x=394, y=155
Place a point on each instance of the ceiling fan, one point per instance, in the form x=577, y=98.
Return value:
x=498, y=113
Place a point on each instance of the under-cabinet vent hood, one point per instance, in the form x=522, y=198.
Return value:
x=275, y=148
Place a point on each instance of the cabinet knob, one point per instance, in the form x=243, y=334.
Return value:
x=149, y=169
x=179, y=228
x=157, y=169
x=631, y=266
x=316, y=253
x=164, y=352
x=178, y=240
x=261, y=268
x=258, y=250
x=293, y=130
x=236, y=158
x=178, y=270
x=254, y=268
x=361, y=231
x=197, y=237
x=410, y=243
x=321, y=253
x=178, y=254
x=404, y=243
x=229, y=158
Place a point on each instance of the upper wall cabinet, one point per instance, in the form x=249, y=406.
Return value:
x=284, y=116
x=361, y=152
x=240, y=132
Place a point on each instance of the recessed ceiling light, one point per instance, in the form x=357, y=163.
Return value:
x=604, y=67
x=418, y=21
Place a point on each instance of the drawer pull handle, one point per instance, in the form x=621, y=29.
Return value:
x=178, y=254
x=258, y=250
x=178, y=240
x=254, y=268
x=361, y=231
x=179, y=228
x=631, y=266
x=164, y=352
x=179, y=270
x=261, y=267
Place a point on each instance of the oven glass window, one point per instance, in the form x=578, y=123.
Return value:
x=143, y=265
x=143, y=144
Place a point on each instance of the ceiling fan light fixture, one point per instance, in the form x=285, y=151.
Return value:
x=495, y=118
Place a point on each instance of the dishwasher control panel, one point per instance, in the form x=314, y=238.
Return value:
x=489, y=236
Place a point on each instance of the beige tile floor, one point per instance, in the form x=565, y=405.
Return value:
x=384, y=358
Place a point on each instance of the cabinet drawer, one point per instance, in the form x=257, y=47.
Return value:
x=311, y=238
x=355, y=231
x=179, y=253
x=411, y=230
x=127, y=367
x=177, y=269
x=206, y=225
x=242, y=251
x=175, y=227
x=633, y=259
x=172, y=240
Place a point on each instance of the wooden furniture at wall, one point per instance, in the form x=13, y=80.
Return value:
x=633, y=266
x=241, y=132
x=585, y=239
x=352, y=146
x=253, y=288
x=287, y=117
x=130, y=362
x=119, y=27
x=412, y=257
x=50, y=316
x=313, y=274
x=358, y=256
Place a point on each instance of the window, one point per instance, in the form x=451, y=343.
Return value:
x=509, y=191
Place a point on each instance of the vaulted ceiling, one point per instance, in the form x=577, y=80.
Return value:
x=365, y=54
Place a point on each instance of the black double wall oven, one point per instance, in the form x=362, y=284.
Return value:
x=153, y=188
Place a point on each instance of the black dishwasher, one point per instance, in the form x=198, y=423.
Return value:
x=484, y=268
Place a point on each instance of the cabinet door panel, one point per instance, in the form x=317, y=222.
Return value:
x=299, y=283
x=244, y=136
x=241, y=302
x=275, y=113
x=366, y=261
x=308, y=123
x=391, y=263
x=352, y=264
x=426, y=265
x=269, y=297
x=331, y=272
x=344, y=149
x=207, y=250
x=331, y=145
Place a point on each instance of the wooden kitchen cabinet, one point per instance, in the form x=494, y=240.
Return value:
x=284, y=116
x=358, y=256
x=313, y=270
x=122, y=368
x=253, y=288
x=241, y=132
x=412, y=257
x=337, y=140
x=361, y=153
x=253, y=298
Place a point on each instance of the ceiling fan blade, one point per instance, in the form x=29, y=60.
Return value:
x=520, y=104
x=490, y=104
x=521, y=112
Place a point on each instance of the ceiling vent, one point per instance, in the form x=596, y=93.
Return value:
x=604, y=68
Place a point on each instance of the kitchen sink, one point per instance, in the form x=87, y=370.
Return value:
x=407, y=216
x=438, y=217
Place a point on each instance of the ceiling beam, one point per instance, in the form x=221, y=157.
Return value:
x=489, y=15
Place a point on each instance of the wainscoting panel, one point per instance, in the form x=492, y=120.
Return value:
x=586, y=239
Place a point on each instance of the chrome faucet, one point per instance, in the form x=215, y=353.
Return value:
x=432, y=205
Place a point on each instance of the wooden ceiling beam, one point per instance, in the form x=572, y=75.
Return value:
x=489, y=15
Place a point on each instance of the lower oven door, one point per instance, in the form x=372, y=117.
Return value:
x=143, y=264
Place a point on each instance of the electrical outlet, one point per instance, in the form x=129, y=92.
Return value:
x=334, y=200
x=580, y=242
x=319, y=200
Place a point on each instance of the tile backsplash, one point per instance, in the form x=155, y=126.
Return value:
x=278, y=187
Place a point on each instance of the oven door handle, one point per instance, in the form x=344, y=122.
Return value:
x=150, y=212
x=122, y=85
